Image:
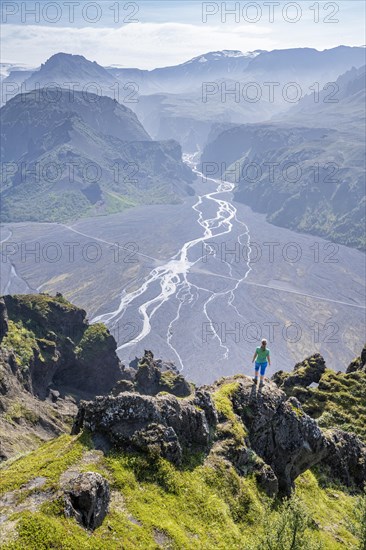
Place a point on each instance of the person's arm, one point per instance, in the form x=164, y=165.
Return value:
x=254, y=356
x=269, y=359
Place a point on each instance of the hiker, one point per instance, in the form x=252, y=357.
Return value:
x=261, y=359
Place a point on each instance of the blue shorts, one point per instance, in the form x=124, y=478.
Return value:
x=261, y=366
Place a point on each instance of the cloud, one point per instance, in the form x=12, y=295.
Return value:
x=148, y=45
x=143, y=45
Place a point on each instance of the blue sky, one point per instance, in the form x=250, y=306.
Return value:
x=152, y=33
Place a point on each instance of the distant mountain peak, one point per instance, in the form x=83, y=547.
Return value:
x=215, y=56
x=223, y=54
x=68, y=58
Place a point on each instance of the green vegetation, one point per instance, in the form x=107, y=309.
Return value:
x=48, y=461
x=96, y=337
x=338, y=401
x=18, y=411
x=224, y=406
x=357, y=524
x=168, y=379
x=41, y=303
x=22, y=341
x=43, y=206
x=289, y=527
x=296, y=410
x=203, y=507
x=37, y=311
x=117, y=203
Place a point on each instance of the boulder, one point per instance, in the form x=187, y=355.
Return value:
x=87, y=499
x=133, y=421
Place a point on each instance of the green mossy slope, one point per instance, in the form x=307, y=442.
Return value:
x=154, y=505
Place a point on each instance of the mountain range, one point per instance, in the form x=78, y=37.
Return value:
x=309, y=166
x=169, y=100
x=170, y=105
x=302, y=65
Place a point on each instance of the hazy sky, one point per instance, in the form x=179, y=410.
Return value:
x=152, y=33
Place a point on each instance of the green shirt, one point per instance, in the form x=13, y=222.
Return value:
x=262, y=354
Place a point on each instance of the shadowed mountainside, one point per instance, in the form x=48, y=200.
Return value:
x=306, y=172
x=72, y=154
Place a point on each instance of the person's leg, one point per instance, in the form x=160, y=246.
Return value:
x=256, y=372
x=263, y=370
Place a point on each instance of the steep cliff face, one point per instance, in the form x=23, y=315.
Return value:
x=54, y=344
x=50, y=357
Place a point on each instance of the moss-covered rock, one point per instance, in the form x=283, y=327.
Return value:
x=150, y=379
x=358, y=364
x=338, y=401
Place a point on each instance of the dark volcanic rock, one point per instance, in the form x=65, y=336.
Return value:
x=280, y=440
x=161, y=439
x=123, y=386
x=68, y=353
x=136, y=421
x=346, y=458
x=267, y=480
x=286, y=438
x=203, y=400
x=87, y=499
x=3, y=319
x=359, y=363
x=150, y=379
x=46, y=314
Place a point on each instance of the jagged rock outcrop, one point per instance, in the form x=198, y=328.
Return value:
x=50, y=356
x=50, y=352
x=263, y=422
x=358, y=364
x=64, y=350
x=305, y=373
x=152, y=377
x=46, y=315
x=87, y=499
x=346, y=458
x=339, y=398
x=141, y=422
x=279, y=431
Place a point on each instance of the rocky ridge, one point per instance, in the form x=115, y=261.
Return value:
x=258, y=430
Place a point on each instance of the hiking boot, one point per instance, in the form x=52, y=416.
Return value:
x=255, y=380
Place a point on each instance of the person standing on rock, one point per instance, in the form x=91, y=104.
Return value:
x=261, y=359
